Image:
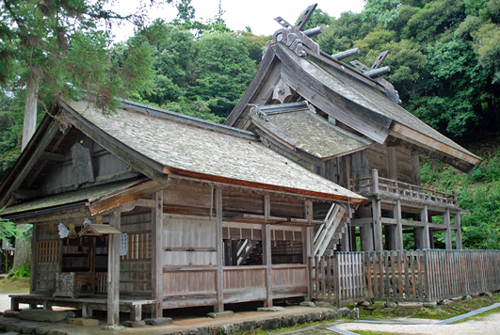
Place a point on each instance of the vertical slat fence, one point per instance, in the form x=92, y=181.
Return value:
x=412, y=276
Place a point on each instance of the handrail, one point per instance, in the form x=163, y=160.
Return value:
x=385, y=185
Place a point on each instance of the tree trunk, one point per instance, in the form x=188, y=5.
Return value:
x=23, y=244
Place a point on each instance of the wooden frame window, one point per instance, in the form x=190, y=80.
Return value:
x=47, y=251
x=138, y=246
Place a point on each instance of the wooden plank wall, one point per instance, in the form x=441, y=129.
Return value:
x=376, y=156
x=106, y=167
x=411, y=276
x=46, y=271
x=135, y=274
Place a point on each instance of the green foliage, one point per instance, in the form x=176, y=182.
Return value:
x=7, y=229
x=21, y=272
x=478, y=193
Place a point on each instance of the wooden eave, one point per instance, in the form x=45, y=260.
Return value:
x=191, y=174
x=92, y=229
x=461, y=160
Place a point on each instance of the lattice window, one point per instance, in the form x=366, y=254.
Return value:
x=138, y=246
x=47, y=252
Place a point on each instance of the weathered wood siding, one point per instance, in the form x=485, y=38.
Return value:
x=106, y=168
x=376, y=157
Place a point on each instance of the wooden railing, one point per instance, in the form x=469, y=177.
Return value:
x=412, y=276
x=197, y=286
x=379, y=185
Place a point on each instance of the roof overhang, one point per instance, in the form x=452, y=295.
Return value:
x=93, y=229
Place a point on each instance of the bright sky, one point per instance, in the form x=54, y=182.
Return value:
x=258, y=14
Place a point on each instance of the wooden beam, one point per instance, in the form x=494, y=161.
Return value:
x=266, y=243
x=99, y=205
x=219, y=307
x=458, y=231
x=157, y=255
x=114, y=271
x=52, y=156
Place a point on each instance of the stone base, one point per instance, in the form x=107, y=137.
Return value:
x=270, y=309
x=45, y=316
x=134, y=324
x=158, y=321
x=218, y=315
x=84, y=322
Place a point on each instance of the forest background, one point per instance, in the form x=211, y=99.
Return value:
x=444, y=58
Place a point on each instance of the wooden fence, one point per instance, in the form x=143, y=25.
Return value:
x=411, y=276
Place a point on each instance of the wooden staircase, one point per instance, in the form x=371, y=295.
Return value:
x=329, y=234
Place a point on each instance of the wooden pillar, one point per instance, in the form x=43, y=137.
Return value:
x=415, y=168
x=219, y=307
x=114, y=270
x=266, y=243
x=377, y=225
x=366, y=230
x=307, y=245
x=446, y=218
x=346, y=238
x=157, y=256
x=424, y=217
x=392, y=163
x=34, y=251
x=399, y=226
x=458, y=232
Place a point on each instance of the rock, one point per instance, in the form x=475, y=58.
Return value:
x=57, y=331
x=467, y=298
x=288, y=321
x=271, y=324
x=158, y=321
x=366, y=303
x=354, y=314
x=489, y=294
x=134, y=324
x=45, y=316
x=84, y=322
x=248, y=326
x=323, y=304
x=391, y=304
x=270, y=309
x=431, y=305
x=318, y=316
x=445, y=302
x=344, y=312
x=229, y=329
x=11, y=333
x=218, y=315
x=307, y=304
x=10, y=314
x=332, y=314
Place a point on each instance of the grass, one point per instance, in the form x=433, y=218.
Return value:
x=20, y=285
x=440, y=313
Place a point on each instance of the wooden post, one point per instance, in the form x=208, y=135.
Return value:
x=366, y=230
x=34, y=251
x=157, y=255
x=392, y=163
x=219, y=307
x=415, y=168
x=114, y=271
x=446, y=218
x=399, y=226
x=307, y=244
x=426, y=234
x=458, y=232
x=266, y=240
